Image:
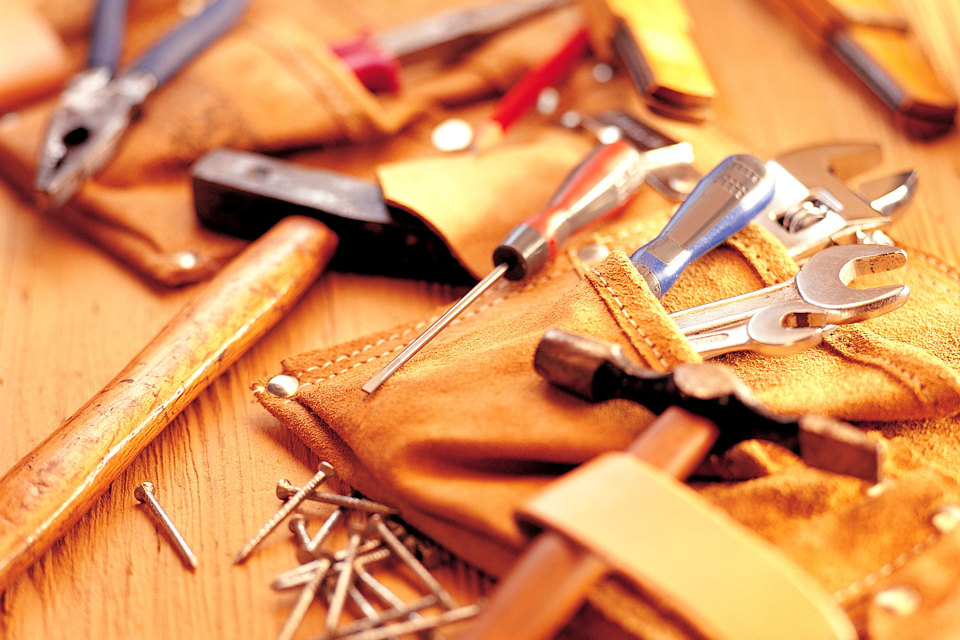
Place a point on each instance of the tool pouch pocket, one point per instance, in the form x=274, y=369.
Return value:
x=270, y=84
x=466, y=432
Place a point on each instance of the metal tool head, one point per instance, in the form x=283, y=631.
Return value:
x=85, y=129
x=780, y=329
x=599, y=371
x=813, y=207
x=824, y=281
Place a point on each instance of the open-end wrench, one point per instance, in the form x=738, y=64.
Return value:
x=822, y=282
x=781, y=329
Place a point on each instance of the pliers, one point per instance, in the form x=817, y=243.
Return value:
x=100, y=101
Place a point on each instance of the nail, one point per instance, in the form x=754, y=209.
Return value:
x=344, y=582
x=446, y=600
x=286, y=489
x=326, y=471
x=405, y=610
x=145, y=494
x=413, y=626
x=313, y=544
x=306, y=597
x=298, y=576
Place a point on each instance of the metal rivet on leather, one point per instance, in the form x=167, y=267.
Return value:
x=592, y=253
x=901, y=600
x=946, y=518
x=453, y=134
x=283, y=386
x=877, y=489
x=186, y=259
x=548, y=101
x=602, y=72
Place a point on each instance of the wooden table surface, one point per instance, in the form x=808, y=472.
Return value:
x=71, y=318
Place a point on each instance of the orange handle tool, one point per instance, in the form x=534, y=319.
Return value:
x=48, y=490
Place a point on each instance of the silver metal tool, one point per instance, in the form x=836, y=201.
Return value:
x=771, y=331
x=99, y=103
x=821, y=282
x=145, y=493
x=813, y=208
x=796, y=314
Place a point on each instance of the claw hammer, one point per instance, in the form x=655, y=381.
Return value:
x=704, y=408
x=50, y=488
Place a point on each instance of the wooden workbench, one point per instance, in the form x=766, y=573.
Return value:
x=72, y=317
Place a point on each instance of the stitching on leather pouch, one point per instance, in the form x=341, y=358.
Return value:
x=853, y=590
x=298, y=374
x=937, y=264
x=632, y=322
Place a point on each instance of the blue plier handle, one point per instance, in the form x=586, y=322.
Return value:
x=98, y=104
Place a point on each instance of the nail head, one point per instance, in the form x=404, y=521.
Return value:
x=140, y=493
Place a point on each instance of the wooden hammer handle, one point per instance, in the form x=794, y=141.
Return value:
x=549, y=581
x=48, y=490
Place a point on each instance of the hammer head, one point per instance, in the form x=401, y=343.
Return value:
x=599, y=371
x=813, y=207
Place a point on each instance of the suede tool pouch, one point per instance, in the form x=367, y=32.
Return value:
x=466, y=432
x=270, y=84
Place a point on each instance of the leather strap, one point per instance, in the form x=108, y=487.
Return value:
x=724, y=579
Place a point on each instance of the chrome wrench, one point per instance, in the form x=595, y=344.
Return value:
x=784, y=317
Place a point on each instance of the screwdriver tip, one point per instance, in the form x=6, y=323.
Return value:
x=373, y=384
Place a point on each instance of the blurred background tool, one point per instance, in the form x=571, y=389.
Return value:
x=602, y=183
x=244, y=194
x=51, y=487
x=674, y=182
x=523, y=95
x=653, y=39
x=874, y=41
x=375, y=58
x=98, y=104
x=33, y=58
x=703, y=408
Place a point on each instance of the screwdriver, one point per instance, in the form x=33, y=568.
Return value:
x=602, y=183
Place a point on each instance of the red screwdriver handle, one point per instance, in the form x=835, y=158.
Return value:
x=373, y=65
x=596, y=189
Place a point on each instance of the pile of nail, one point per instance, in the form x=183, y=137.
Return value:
x=346, y=578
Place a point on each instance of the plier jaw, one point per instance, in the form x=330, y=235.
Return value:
x=84, y=131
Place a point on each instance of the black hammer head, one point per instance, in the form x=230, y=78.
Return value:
x=599, y=371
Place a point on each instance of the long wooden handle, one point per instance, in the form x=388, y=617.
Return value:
x=47, y=491
x=549, y=581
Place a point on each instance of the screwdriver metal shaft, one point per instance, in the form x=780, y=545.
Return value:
x=602, y=183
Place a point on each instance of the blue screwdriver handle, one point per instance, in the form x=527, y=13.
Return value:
x=186, y=40
x=106, y=35
x=721, y=204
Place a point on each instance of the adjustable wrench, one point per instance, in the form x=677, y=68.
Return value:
x=795, y=314
x=812, y=208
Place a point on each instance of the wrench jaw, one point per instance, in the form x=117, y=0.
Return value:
x=813, y=208
x=824, y=282
x=777, y=330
